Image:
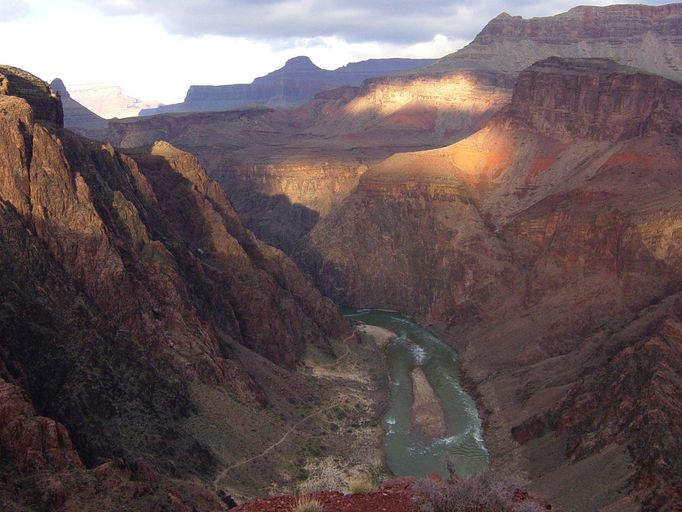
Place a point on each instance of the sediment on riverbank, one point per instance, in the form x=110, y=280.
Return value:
x=427, y=411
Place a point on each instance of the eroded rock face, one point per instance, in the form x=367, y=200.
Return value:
x=126, y=277
x=595, y=99
x=642, y=36
x=29, y=441
x=550, y=241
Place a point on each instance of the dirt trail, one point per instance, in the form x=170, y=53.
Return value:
x=225, y=471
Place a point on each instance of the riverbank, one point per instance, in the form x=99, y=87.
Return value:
x=379, y=335
x=353, y=434
x=505, y=456
x=431, y=419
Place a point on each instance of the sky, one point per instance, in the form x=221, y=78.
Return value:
x=156, y=49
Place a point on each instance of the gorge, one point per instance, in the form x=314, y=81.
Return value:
x=191, y=302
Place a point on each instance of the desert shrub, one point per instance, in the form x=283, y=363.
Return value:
x=307, y=504
x=478, y=494
x=361, y=484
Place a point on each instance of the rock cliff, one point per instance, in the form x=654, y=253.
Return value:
x=286, y=170
x=642, y=36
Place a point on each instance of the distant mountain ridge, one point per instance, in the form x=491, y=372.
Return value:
x=290, y=86
x=642, y=36
x=78, y=118
x=109, y=100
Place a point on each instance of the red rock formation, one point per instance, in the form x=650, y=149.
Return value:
x=29, y=441
x=595, y=99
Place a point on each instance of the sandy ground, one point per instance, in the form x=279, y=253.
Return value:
x=427, y=412
x=380, y=335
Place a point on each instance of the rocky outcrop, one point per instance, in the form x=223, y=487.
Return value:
x=29, y=441
x=549, y=241
x=77, y=118
x=595, y=99
x=44, y=102
x=290, y=86
x=645, y=37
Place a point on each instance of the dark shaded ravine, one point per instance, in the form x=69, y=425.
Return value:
x=408, y=450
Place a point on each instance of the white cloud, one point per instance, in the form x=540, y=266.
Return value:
x=81, y=41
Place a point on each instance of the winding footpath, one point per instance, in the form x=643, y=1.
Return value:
x=284, y=437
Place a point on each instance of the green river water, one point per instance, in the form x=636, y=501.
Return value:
x=408, y=452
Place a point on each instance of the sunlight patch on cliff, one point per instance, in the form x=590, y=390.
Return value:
x=453, y=93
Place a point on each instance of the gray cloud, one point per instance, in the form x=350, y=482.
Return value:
x=395, y=21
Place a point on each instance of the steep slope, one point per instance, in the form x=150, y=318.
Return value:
x=550, y=242
x=642, y=36
x=130, y=291
x=290, y=86
x=77, y=118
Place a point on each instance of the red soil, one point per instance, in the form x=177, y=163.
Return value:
x=393, y=496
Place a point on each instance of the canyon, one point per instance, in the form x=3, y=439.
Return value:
x=284, y=171
x=547, y=245
x=170, y=294
x=135, y=307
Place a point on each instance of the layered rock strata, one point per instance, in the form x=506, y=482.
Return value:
x=646, y=37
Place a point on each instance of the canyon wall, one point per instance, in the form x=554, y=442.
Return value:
x=131, y=292
x=286, y=170
x=646, y=37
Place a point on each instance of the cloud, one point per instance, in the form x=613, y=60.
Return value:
x=392, y=21
x=13, y=9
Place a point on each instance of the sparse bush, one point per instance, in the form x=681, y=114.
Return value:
x=307, y=504
x=478, y=494
x=361, y=484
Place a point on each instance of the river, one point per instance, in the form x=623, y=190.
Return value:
x=408, y=451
